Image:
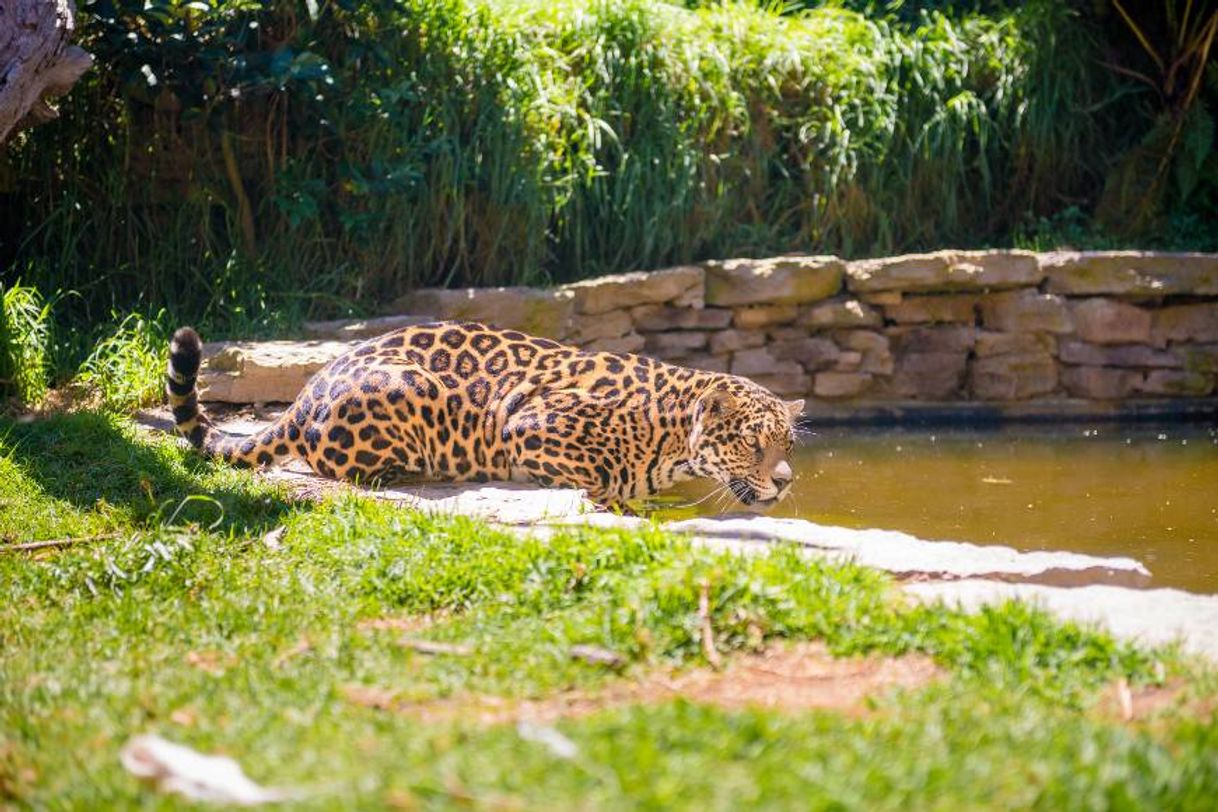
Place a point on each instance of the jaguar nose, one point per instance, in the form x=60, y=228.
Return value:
x=782, y=475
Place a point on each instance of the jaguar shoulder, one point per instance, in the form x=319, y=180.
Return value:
x=461, y=401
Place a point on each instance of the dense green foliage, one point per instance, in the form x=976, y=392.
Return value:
x=175, y=615
x=245, y=162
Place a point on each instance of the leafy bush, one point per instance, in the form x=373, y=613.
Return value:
x=255, y=161
x=127, y=367
x=25, y=339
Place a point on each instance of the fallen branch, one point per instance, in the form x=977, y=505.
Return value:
x=595, y=655
x=434, y=647
x=27, y=546
x=708, y=632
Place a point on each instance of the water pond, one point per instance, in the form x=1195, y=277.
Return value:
x=1146, y=491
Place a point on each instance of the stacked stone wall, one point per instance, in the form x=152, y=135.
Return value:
x=950, y=326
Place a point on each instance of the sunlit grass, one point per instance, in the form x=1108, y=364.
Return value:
x=184, y=620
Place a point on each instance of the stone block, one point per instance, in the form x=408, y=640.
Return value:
x=945, y=271
x=658, y=318
x=629, y=344
x=787, y=333
x=681, y=285
x=1130, y=273
x=1198, y=357
x=614, y=324
x=759, y=362
x=990, y=343
x=814, y=354
x=848, y=361
x=1026, y=311
x=760, y=316
x=930, y=375
x=1127, y=355
x=875, y=347
x=1177, y=383
x=933, y=339
x=537, y=312
x=839, y=313
x=780, y=280
x=1099, y=383
x=1189, y=322
x=1107, y=321
x=947, y=308
x=1013, y=377
x=733, y=340
x=707, y=363
x=360, y=329
x=264, y=371
x=668, y=345
x=786, y=384
x=841, y=384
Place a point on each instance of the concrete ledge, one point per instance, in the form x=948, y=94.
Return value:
x=906, y=556
x=1152, y=617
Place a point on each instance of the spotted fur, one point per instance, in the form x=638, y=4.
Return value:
x=460, y=401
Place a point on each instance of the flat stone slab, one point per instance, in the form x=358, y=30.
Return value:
x=263, y=371
x=1150, y=617
x=360, y=329
x=907, y=556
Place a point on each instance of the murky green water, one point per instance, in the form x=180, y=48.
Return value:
x=1150, y=492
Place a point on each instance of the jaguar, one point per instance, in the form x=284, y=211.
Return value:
x=461, y=401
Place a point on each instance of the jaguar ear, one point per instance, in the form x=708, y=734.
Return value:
x=795, y=408
x=711, y=405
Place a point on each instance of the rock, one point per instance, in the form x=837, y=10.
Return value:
x=537, y=312
x=1130, y=273
x=1105, y=321
x=674, y=344
x=658, y=318
x=759, y=316
x=360, y=329
x=839, y=313
x=613, y=324
x=734, y=340
x=787, y=333
x=848, y=361
x=929, y=375
x=1198, y=357
x=1130, y=355
x=945, y=271
x=933, y=309
x=905, y=555
x=882, y=297
x=814, y=354
x=989, y=344
x=786, y=384
x=1177, y=382
x=1013, y=377
x=780, y=280
x=875, y=348
x=1190, y=322
x=1026, y=311
x=933, y=339
x=1099, y=383
x=265, y=371
x=759, y=362
x=1150, y=617
x=680, y=285
x=841, y=384
x=707, y=363
x=628, y=344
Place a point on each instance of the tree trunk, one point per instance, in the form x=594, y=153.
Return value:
x=37, y=61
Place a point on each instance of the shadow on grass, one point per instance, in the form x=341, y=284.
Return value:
x=91, y=460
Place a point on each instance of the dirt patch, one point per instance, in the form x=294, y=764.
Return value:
x=799, y=677
x=1146, y=704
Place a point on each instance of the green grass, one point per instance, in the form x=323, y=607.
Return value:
x=96, y=642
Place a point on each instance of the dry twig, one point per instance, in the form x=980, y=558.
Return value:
x=29, y=546
x=708, y=632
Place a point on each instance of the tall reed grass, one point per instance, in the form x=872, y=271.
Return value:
x=249, y=162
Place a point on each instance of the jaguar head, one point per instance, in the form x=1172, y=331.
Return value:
x=741, y=437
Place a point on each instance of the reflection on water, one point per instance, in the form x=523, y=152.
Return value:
x=1150, y=492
